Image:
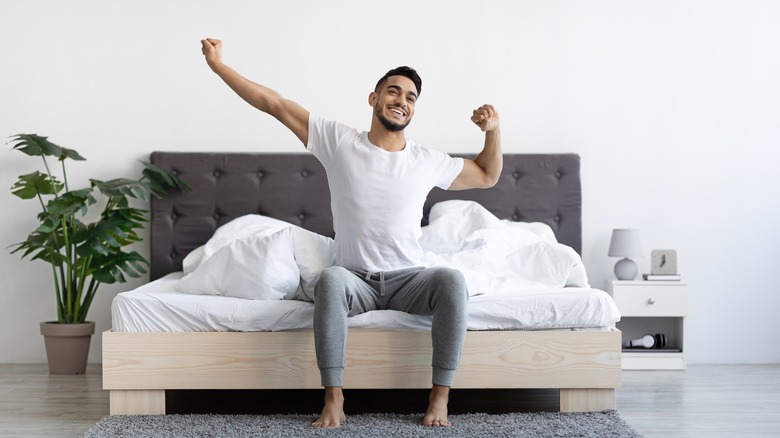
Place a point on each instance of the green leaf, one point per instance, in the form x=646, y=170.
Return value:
x=44, y=246
x=122, y=187
x=36, y=145
x=48, y=224
x=50, y=256
x=114, y=230
x=68, y=203
x=161, y=179
x=33, y=184
x=113, y=268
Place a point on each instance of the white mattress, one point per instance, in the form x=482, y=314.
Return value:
x=158, y=307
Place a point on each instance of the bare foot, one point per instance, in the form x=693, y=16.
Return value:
x=436, y=415
x=333, y=412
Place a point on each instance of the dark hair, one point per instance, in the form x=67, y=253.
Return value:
x=401, y=71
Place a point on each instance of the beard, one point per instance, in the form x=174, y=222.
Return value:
x=387, y=123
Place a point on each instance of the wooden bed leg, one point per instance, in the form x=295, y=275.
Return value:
x=587, y=400
x=137, y=402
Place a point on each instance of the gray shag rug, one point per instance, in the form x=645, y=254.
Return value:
x=544, y=424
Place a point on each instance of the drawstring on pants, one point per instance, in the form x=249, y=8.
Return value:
x=370, y=275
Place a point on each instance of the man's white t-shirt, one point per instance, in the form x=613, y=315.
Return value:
x=377, y=196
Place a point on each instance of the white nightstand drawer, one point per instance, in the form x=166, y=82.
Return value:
x=653, y=300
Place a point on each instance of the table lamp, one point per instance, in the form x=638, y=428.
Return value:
x=625, y=243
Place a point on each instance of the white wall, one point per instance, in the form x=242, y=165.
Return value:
x=673, y=106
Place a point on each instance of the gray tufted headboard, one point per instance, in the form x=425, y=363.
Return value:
x=294, y=188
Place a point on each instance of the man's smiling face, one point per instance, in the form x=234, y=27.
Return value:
x=394, y=103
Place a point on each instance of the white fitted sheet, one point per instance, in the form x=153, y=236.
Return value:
x=158, y=307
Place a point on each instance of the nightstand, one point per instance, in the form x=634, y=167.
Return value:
x=650, y=307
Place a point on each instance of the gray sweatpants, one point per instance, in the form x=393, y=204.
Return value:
x=441, y=292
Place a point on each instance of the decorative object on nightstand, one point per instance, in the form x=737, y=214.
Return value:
x=663, y=266
x=663, y=261
x=657, y=340
x=625, y=243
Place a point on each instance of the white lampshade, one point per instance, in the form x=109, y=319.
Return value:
x=625, y=243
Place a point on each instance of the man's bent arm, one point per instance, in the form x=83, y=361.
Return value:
x=483, y=172
x=292, y=115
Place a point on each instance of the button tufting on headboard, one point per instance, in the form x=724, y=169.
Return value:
x=543, y=188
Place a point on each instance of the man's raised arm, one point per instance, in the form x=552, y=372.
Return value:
x=292, y=115
x=483, y=172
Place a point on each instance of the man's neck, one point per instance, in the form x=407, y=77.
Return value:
x=391, y=141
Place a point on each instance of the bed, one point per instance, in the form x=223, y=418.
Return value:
x=140, y=365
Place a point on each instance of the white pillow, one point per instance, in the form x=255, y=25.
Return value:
x=193, y=259
x=450, y=222
x=255, y=267
x=251, y=225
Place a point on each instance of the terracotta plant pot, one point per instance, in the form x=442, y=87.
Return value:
x=67, y=346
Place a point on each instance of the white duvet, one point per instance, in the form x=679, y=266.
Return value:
x=257, y=257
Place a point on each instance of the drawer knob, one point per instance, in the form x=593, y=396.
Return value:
x=651, y=301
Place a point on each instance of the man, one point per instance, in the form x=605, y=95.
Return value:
x=379, y=181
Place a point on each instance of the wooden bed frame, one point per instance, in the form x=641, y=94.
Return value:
x=139, y=367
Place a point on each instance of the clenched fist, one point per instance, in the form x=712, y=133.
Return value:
x=486, y=117
x=212, y=50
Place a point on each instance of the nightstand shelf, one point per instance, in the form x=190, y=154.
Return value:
x=650, y=307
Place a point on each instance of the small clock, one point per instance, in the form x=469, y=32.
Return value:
x=663, y=261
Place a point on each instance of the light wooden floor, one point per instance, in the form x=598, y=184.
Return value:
x=36, y=404
x=704, y=401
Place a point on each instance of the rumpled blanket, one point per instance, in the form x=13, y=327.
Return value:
x=257, y=257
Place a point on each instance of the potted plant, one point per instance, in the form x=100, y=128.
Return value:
x=82, y=254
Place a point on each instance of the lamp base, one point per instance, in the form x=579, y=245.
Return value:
x=626, y=269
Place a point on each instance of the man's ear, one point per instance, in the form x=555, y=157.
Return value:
x=372, y=97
